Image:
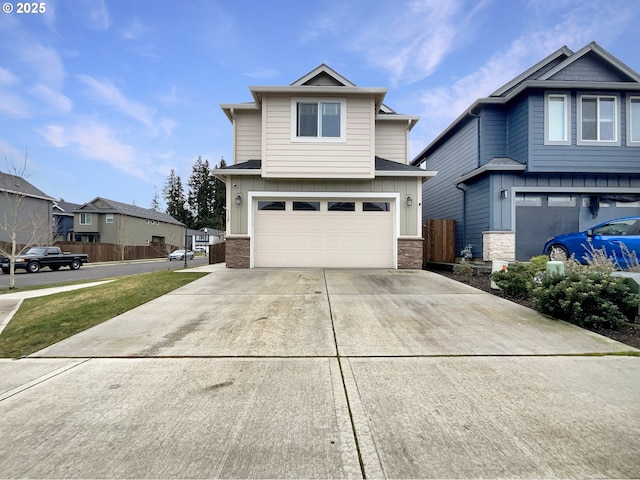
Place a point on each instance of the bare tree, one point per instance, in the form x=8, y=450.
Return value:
x=25, y=216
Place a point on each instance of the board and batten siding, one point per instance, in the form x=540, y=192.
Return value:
x=391, y=140
x=492, y=132
x=238, y=218
x=518, y=132
x=248, y=135
x=456, y=157
x=353, y=158
x=579, y=158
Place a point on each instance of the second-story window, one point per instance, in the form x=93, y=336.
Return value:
x=633, y=132
x=109, y=217
x=318, y=120
x=85, y=219
x=598, y=119
x=556, y=121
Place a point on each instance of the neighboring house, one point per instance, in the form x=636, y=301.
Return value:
x=200, y=240
x=63, y=220
x=25, y=210
x=107, y=221
x=555, y=150
x=320, y=178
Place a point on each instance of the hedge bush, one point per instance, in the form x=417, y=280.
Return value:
x=519, y=278
x=588, y=299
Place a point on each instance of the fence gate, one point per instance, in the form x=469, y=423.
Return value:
x=439, y=241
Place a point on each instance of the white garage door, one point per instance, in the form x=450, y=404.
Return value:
x=323, y=233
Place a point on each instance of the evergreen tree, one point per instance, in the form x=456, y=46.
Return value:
x=201, y=193
x=155, y=200
x=174, y=196
x=219, y=201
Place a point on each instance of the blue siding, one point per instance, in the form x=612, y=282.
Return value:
x=478, y=206
x=590, y=68
x=456, y=157
x=493, y=125
x=518, y=131
x=578, y=158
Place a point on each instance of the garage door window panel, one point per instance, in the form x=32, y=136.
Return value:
x=306, y=206
x=342, y=206
x=271, y=205
x=376, y=206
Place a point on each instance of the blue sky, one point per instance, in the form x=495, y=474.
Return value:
x=107, y=96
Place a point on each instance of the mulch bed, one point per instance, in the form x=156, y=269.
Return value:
x=628, y=333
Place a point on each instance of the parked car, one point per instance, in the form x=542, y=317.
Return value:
x=32, y=259
x=179, y=255
x=610, y=235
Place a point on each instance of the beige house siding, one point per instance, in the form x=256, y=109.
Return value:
x=284, y=158
x=392, y=140
x=409, y=216
x=247, y=135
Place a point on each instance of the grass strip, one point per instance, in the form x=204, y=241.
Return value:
x=43, y=321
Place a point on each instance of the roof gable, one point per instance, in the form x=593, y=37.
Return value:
x=323, y=76
x=592, y=63
x=17, y=185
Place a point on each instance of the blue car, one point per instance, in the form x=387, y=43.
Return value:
x=610, y=235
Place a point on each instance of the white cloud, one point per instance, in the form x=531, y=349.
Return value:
x=109, y=94
x=14, y=106
x=44, y=61
x=95, y=141
x=94, y=12
x=60, y=103
x=7, y=78
x=263, y=73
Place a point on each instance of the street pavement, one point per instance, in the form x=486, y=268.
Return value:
x=312, y=373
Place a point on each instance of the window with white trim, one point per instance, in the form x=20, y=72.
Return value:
x=597, y=119
x=85, y=219
x=109, y=218
x=556, y=119
x=633, y=122
x=314, y=120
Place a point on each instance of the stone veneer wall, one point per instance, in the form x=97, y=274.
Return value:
x=238, y=252
x=498, y=245
x=410, y=253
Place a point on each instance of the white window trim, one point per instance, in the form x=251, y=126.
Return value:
x=86, y=216
x=108, y=218
x=630, y=142
x=616, y=119
x=567, y=119
x=294, y=120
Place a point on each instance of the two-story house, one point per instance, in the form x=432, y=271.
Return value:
x=107, y=221
x=320, y=178
x=555, y=150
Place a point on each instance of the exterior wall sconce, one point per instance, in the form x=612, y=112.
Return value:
x=409, y=201
x=239, y=199
x=504, y=194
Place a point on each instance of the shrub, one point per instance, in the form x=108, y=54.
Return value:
x=519, y=278
x=463, y=269
x=585, y=298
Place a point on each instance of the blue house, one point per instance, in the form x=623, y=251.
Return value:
x=555, y=150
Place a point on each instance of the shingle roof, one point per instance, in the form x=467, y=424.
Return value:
x=15, y=184
x=382, y=164
x=113, y=206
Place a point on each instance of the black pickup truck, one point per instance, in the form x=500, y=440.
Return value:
x=32, y=259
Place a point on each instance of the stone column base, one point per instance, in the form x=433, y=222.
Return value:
x=410, y=252
x=238, y=252
x=498, y=245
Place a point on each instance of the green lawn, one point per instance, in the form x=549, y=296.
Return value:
x=43, y=321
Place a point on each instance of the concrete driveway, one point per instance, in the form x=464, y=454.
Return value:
x=317, y=373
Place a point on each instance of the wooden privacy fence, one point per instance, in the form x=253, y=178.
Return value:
x=439, y=241
x=216, y=253
x=110, y=252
